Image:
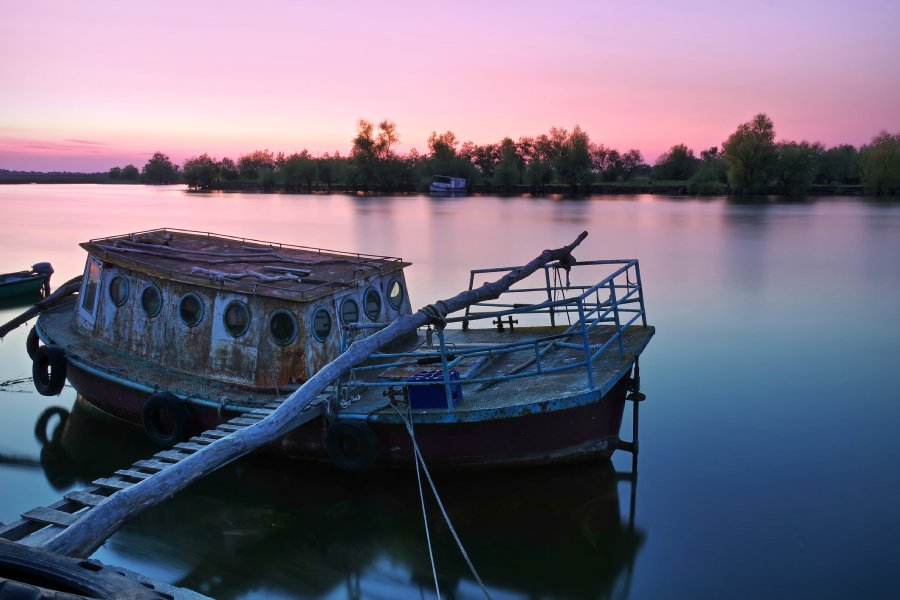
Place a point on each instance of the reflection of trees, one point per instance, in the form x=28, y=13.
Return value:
x=309, y=531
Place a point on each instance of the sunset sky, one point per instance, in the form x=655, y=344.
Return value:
x=92, y=84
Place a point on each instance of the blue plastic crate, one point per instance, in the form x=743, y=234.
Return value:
x=433, y=396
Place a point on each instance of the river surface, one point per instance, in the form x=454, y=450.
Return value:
x=770, y=438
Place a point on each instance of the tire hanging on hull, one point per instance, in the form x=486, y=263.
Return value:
x=166, y=419
x=351, y=445
x=48, y=370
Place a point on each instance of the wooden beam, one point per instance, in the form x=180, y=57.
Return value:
x=89, y=532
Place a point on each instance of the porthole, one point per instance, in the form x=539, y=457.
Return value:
x=349, y=311
x=118, y=290
x=151, y=300
x=283, y=327
x=321, y=324
x=395, y=294
x=236, y=318
x=191, y=309
x=372, y=304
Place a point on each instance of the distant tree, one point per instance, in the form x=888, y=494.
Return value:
x=266, y=178
x=607, y=162
x=387, y=138
x=130, y=173
x=362, y=156
x=710, y=176
x=750, y=155
x=115, y=173
x=250, y=165
x=575, y=164
x=200, y=172
x=159, y=170
x=228, y=170
x=880, y=161
x=679, y=164
x=298, y=170
x=632, y=161
x=839, y=165
x=797, y=166
x=508, y=171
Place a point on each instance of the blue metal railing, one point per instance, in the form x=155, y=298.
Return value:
x=617, y=299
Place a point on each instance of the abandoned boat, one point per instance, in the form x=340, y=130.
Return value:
x=26, y=283
x=180, y=331
x=442, y=185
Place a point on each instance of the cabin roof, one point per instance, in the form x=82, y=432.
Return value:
x=241, y=264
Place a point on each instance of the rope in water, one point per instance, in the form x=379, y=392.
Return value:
x=420, y=460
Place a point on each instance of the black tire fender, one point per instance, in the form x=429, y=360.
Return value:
x=48, y=369
x=352, y=445
x=32, y=342
x=166, y=419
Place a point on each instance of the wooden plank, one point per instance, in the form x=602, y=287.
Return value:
x=189, y=447
x=152, y=465
x=172, y=455
x=214, y=435
x=229, y=428
x=113, y=483
x=85, y=498
x=200, y=440
x=243, y=421
x=133, y=474
x=49, y=516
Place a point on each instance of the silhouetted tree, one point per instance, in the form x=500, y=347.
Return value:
x=200, y=172
x=678, y=163
x=750, y=155
x=159, y=170
x=250, y=165
x=115, y=173
x=880, y=161
x=130, y=173
x=228, y=170
x=839, y=165
x=797, y=166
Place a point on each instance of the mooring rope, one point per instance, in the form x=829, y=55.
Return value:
x=420, y=460
x=437, y=587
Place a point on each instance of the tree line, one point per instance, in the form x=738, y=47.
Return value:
x=750, y=161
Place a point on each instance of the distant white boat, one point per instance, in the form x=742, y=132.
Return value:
x=443, y=185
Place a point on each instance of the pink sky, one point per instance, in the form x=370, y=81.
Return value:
x=92, y=84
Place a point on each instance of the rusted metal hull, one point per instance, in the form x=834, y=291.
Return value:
x=587, y=431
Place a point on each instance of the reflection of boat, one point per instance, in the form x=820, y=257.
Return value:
x=32, y=283
x=310, y=531
x=444, y=185
x=182, y=330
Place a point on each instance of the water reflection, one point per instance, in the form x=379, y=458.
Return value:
x=266, y=526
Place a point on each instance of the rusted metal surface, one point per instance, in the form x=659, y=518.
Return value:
x=252, y=358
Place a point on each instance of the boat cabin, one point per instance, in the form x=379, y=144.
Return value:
x=247, y=312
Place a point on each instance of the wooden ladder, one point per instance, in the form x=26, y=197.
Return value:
x=42, y=523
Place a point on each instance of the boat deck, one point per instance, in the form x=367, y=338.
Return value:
x=507, y=396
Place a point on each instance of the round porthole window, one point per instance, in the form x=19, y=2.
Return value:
x=321, y=324
x=191, y=310
x=395, y=294
x=283, y=327
x=118, y=290
x=372, y=304
x=236, y=318
x=349, y=311
x=151, y=300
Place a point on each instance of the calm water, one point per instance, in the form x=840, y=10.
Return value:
x=770, y=453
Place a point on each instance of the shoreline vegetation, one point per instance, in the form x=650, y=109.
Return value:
x=749, y=163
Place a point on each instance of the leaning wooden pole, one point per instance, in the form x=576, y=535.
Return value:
x=89, y=532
